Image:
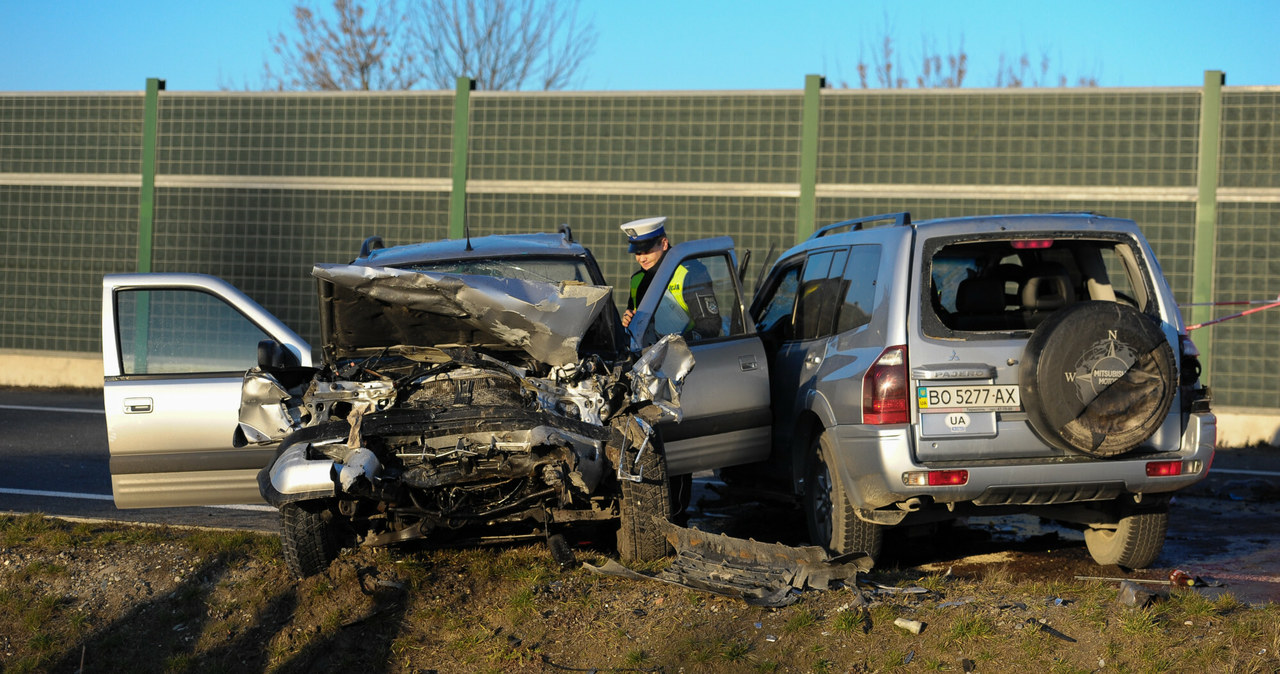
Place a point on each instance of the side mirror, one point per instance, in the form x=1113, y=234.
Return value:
x=273, y=355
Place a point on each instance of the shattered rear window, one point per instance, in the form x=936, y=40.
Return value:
x=548, y=270
x=1002, y=286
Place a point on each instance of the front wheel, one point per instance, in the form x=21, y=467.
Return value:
x=833, y=524
x=639, y=538
x=1134, y=543
x=310, y=539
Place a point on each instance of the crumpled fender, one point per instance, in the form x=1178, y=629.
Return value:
x=659, y=373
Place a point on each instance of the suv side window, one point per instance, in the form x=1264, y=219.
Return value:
x=860, y=288
x=820, y=293
x=183, y=331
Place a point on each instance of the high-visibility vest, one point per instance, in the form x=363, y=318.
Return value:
x=675, y=290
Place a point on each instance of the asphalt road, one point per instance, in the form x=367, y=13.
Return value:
x=53, y=450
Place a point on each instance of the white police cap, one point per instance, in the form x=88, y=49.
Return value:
x=641, y=232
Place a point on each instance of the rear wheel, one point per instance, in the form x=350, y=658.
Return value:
x=1134, y=543
x=309, y=539
x=639, y=538
x=833, y=524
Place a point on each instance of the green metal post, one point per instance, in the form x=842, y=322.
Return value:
x=1202, y=267
x=147, y=197
x=806, y=210
x=146, y=221
x=461, y=123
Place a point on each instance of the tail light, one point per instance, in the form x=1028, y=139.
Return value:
x=884, y=389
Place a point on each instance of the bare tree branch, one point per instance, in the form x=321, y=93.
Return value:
x=949, y=70
x=355, y=52
x=502, y=44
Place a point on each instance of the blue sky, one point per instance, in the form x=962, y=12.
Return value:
x=92, y=45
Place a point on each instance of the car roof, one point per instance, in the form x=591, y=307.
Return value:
x=1067, y=222
x=1073, y=223
x=480, y=247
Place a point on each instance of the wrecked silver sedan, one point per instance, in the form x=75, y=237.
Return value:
x=466, y=391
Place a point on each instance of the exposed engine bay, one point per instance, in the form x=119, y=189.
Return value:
x=497, y=438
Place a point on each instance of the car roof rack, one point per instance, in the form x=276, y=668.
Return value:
x=902, y=219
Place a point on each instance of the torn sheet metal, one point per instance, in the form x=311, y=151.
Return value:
x=264, y=417
x=377, y=306
x=659, y=373
x=762, y=574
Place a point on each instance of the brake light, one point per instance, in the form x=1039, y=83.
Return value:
x=884, y=389
x=1171, y=468
x=935, y=478
x=1031, y=244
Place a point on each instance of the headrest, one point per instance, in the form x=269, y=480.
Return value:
x=1049, y=289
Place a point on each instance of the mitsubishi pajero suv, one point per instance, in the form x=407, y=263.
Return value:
x=924, y=371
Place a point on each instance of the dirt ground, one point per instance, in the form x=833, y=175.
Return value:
x=996, y=596
x=990, y=595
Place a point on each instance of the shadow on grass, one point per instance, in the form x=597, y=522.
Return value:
x=178, y=632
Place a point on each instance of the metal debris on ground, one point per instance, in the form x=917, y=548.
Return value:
x=762, y=574
x=1131, y=594
x=889, y=589
x=1122, y=580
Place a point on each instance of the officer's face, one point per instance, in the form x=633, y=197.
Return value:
x=649, y=258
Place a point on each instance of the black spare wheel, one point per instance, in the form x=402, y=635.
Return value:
x=1097, y=378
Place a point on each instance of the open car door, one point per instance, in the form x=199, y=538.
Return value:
x=725, y=398
x=175, y=348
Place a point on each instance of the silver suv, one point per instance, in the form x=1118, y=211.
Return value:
x=981, y=366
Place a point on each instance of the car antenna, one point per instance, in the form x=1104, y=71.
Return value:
x=466, y=231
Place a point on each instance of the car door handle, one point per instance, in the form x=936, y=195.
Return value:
x=813, y=359
x=137, y=405
x=747, y=363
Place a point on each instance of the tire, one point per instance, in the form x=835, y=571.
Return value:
x=309, y=540
x=1097, y=378
x=639, y=538
x=1135, y=543
x=833, y=524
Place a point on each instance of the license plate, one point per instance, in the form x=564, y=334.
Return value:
x=986, y=398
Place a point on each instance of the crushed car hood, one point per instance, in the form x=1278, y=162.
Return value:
x=376, y=307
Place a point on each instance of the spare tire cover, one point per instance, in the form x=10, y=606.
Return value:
x=1097, y=378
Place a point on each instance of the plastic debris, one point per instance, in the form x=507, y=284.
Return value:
x=912, y=626
x=1181, y=578
x=1049, y=630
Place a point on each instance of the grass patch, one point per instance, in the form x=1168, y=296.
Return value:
x=511, y=609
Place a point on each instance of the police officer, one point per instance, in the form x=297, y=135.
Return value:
x=690, y=287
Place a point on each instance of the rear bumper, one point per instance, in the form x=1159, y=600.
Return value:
x=871, y=462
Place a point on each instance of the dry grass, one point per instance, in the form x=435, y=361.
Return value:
x=170, y=600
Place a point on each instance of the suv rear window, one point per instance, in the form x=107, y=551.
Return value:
x=1012, y=285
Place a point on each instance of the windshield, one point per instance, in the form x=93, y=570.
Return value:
x=547, y=270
